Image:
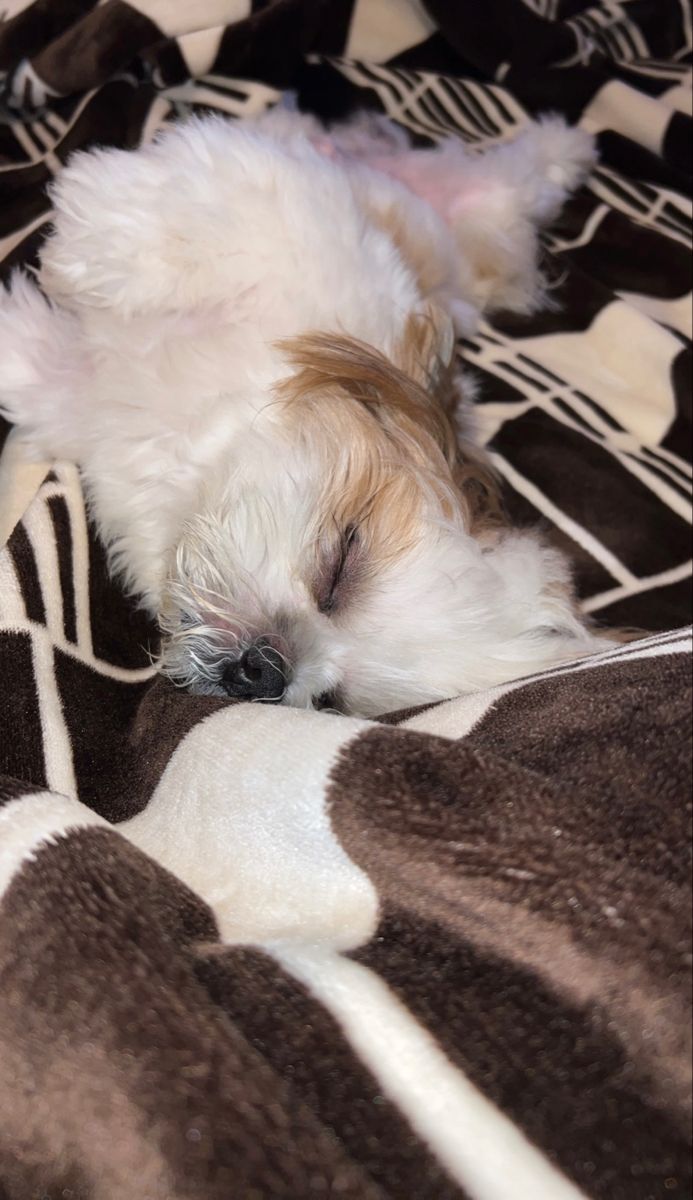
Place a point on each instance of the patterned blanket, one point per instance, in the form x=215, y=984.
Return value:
x=255, y=953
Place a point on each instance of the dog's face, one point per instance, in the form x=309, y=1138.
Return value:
x=335, y=562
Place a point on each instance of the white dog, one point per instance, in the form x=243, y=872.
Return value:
x=247, y=347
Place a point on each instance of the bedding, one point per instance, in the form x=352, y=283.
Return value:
x=258, y=952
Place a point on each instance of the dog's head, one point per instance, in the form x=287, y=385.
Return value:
x=351, y=556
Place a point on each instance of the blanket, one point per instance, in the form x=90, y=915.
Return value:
x=252, y=952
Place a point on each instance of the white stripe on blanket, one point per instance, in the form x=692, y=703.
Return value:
x=480, y=1147
x=248, y=786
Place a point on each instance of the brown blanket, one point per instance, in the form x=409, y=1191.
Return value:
x=249, y=953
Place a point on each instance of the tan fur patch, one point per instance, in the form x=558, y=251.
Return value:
x=414, y=419
x=417, y=248
x=427, y=353
x=370, y=475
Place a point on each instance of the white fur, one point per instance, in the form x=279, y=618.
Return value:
x=170, y=276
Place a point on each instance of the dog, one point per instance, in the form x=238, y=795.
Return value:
x=245, y=336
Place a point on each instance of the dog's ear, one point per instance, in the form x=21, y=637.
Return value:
x=409, y=410
x=390, y=388
x=40, y=369
x=426, y=350
x=427, y=355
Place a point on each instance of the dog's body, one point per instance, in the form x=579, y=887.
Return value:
x=247, y=348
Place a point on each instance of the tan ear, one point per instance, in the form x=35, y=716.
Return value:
x=427, y=355
x=427, y=348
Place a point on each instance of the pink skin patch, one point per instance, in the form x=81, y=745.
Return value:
x=434, y=180
x=325, y=146
x=433, y=176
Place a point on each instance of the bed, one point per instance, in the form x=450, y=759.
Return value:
x=257, y=952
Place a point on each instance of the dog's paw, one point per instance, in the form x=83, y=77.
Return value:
x=566, y=152
x=561, y=156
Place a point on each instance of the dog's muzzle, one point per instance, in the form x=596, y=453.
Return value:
x=259, y=674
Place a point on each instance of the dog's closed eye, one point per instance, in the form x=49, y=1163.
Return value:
x=334, y=576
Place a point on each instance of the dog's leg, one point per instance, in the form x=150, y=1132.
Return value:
x=493, y=203
x=504, y=198
x=541, y=167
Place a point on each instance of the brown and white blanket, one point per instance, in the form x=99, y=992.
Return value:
x=250, y=953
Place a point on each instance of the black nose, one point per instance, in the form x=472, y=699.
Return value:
x=259, y=674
